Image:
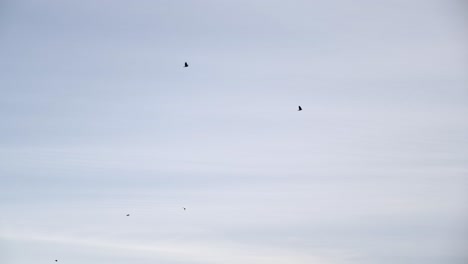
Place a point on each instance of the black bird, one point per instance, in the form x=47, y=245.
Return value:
x=128, y=214
x=56, y=260
x=184, y=208
x=300, y=108
x=185, y=65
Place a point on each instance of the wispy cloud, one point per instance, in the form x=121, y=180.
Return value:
x=100, y=119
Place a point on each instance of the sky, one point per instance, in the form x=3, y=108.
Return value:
x=99, y=119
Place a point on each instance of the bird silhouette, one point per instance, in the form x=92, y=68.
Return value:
x=184, y=208
x=56, y=260
x=128, y=214
x=300, y=108
x=185, y=65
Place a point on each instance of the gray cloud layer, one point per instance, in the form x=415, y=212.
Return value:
x=100, y=119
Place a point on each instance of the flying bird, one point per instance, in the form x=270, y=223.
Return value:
x=185, y=65
x=128, y=214
x=184, y=208
x=56, y=260
x=300, y=108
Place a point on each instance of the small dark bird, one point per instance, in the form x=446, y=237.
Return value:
x=128, y=214
x=300, y=108
x=184, y=208
x=185, y=65
x=56, y=260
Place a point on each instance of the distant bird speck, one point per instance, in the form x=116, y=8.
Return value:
x=185, y=65
x=56, y=260
x=128, y=214
x=184, y=208
x=300, y=108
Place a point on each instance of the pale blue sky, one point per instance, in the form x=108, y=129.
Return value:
x=100, y=119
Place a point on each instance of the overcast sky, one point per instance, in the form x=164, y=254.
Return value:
x=99, y=119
